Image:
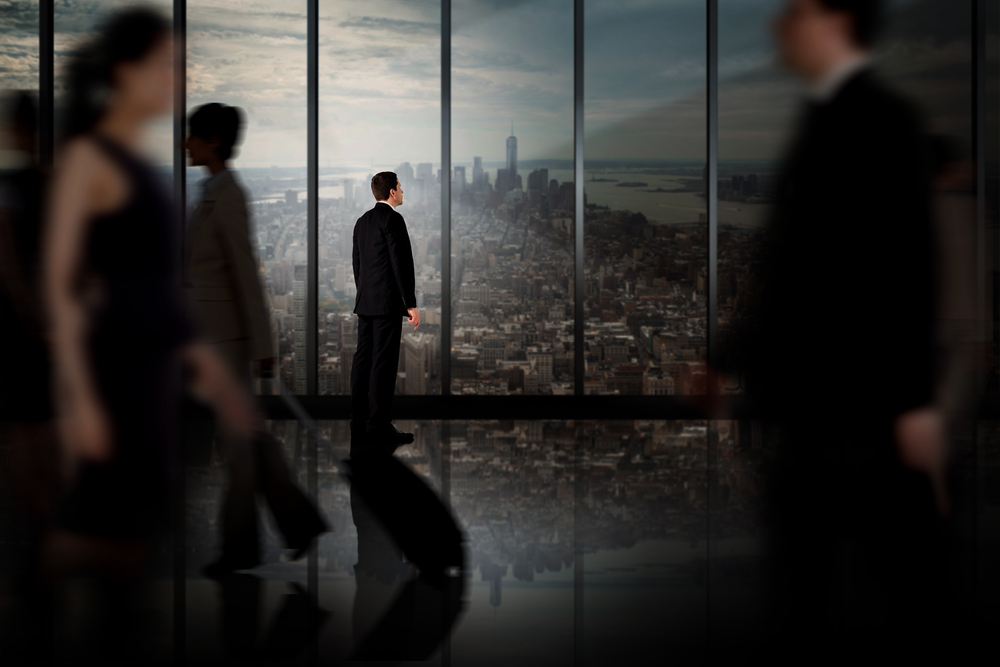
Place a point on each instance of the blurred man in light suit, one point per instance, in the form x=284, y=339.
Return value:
x=223, y=281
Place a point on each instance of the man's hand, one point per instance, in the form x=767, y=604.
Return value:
x=414, y=317
x=86, y=429
x=214, y=384
x=922, y=446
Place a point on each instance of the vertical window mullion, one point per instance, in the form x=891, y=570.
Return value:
x=446, y=324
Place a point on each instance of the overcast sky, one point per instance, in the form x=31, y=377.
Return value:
x=380, y=85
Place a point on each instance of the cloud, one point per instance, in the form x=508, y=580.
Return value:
x=392, y=26
x=380, y=69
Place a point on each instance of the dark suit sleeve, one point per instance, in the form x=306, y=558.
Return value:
x=890, y=267
x=401, y=258
x=911, y=274
x=357, y=262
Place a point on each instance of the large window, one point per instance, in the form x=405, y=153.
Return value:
x=645, y=236
x=508, y=112
x=512, y=198
x=74, y=23
x=19, y=46
x=926, y=54
x=254, y=57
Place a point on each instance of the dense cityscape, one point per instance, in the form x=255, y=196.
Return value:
x=513, y=277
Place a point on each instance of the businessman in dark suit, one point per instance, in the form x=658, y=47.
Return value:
x=383, y=275
x=843, y=351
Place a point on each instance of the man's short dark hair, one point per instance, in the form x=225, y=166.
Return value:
x=867, y=17
x=383, y=183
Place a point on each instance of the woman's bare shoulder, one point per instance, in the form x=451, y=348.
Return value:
x=84, y=162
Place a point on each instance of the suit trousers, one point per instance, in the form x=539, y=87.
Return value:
x=373, y=375
x=255, y=465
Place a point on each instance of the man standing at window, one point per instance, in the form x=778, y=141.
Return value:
x=383, y=275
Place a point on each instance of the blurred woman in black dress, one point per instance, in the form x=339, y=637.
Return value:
x=120, y=331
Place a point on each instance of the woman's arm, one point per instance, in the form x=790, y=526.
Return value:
x=213, y=383
x=76, y=193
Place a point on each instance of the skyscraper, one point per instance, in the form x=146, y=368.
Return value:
x=477, y=173
x=503, y=181
x=425, y=171
x=404, y=173
x=511, y=180
x=459, y=183
x=538, y=180
x=299, y=328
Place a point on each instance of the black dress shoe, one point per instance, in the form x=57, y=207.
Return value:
x=389, y=435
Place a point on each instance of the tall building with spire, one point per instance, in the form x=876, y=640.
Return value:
x=511, y=160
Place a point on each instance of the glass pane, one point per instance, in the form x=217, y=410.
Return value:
x=380, y=110
x=512, y=197
x=254, y=57
x=924, y=53
x=19, y=46
x=645, y=264
x=74, y=24
x=758, y=101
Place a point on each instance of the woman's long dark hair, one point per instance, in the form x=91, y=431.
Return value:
x=126, y=37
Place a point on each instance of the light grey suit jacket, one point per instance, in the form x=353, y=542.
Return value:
x=221, y=275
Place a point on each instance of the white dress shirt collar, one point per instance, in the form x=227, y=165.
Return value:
x=382, y=201
x=826, y=89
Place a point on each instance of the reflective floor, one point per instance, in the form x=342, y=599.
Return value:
x=482, y=543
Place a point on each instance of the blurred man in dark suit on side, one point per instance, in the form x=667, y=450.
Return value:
x=385, y=280
x=842, y=353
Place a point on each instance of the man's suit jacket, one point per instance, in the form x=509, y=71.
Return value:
x=847, y=305
x=221, y=274
x=383, y=264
